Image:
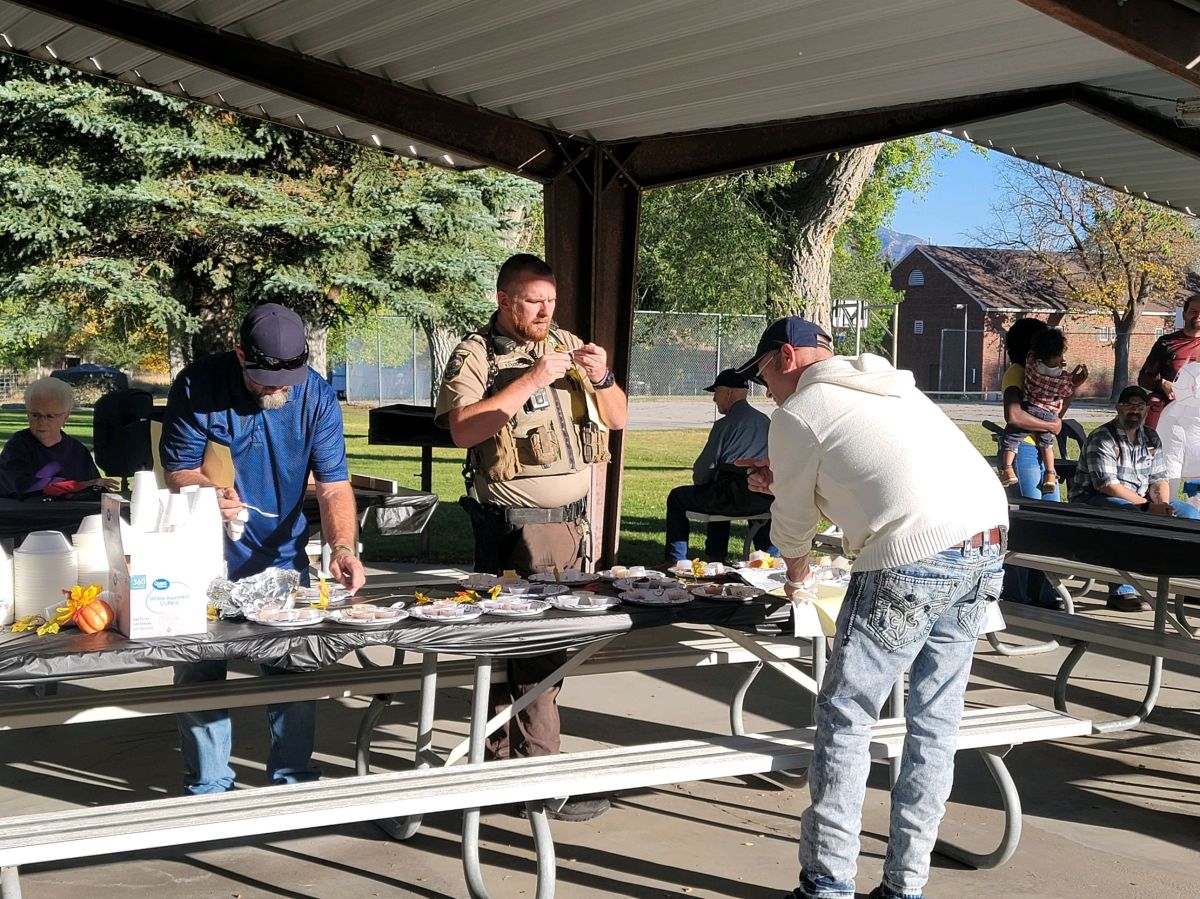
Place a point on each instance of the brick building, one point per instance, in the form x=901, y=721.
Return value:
x=994, y=288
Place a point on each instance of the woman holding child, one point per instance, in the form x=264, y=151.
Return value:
x=1027, y=463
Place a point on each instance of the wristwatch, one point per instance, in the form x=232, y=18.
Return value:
x=607, y=381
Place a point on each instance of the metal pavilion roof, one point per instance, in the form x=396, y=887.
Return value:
x=624, y=71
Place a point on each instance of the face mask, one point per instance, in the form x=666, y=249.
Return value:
x=1047, y=371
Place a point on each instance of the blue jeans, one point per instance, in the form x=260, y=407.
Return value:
x=1028, y=585
x=1182, y=510
x=205, y=738
x=924, y=617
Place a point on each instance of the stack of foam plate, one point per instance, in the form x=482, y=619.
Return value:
x=90, y=553
x=43, y=566
x=6, y=588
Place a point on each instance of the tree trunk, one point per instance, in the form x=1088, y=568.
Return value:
x=218, y=330
x=441, y=342
x=179, y=350
x=1120, y=362
x=810, y=211
x=318, y=356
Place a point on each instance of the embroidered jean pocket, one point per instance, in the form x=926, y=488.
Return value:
x=971, y=610
x=905, y=607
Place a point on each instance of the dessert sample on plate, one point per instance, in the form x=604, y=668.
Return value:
x=699, y=568
x=584, y=602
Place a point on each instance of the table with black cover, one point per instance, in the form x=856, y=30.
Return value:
x=1138, y=547
x=20, y=517
x=28, y=659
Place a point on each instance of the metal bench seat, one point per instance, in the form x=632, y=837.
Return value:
x=59, y=835
x=754, y=524
x=1085, y=632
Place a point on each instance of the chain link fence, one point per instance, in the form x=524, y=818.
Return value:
x=11, y=386
x=388, y=361
x=680, y=353
x=674, y=354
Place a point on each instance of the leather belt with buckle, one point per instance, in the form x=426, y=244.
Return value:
x=993, y=537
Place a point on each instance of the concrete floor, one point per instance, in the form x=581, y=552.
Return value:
x=1113, y=816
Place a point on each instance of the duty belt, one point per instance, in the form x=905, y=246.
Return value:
x=519, y=516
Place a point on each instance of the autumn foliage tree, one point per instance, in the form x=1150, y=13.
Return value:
x=1108, y=251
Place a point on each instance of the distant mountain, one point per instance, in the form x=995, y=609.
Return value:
x=897, y=245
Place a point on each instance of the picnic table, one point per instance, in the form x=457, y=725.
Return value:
x=1156, y=554
x=401, y=798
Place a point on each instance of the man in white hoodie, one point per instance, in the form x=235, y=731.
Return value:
x=854, y=441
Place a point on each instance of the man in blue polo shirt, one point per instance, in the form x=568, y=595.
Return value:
x=280, y=421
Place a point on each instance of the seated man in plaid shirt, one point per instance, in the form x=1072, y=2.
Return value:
x=1122, y=466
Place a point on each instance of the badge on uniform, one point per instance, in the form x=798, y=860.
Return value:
x=454, y=366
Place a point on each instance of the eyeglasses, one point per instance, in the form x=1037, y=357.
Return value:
x=757, y=377
x=47, y=416
x=258, y=359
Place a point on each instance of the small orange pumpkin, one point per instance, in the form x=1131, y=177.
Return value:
x=96, y=616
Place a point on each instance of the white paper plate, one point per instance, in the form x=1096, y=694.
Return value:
x=610, y=574
x=646, y=583
x=339, y=617
x=481, y=581
x=675, y=596
x=686, y=572
x=304, y=618
x=529, y=608
x=466, y=613
x=778, y=566
x=538, y=591
x=727, y=592
x=564, y=577
x=569, y=603
x=308, y=596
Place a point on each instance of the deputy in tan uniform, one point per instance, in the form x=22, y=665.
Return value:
x=532, y=404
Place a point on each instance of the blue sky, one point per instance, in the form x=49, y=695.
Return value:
x=958, y=203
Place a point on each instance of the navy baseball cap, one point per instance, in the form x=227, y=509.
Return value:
x=275, y=345
x=790, y=331
x=728, y=378
x=1133, y=390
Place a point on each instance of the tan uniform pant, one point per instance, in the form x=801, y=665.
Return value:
x=535, y=730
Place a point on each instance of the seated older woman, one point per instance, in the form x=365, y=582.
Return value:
x=43, y=461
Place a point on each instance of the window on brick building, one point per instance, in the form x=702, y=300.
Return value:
x=916, y=278
x=1108, y=335
x=1158, y=332
x=918, y=327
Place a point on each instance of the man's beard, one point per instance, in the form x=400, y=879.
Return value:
x=273, y=400
x=533, y=331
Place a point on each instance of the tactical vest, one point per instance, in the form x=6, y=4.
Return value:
x=546, y=436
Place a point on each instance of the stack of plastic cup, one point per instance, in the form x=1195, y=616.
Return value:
x=208, y=533
x=177, y=513
x=144, y=508
x=91, y=556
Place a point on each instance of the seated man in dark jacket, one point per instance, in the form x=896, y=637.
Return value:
x=718, y=486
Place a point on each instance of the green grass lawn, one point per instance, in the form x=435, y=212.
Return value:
x=655, y=461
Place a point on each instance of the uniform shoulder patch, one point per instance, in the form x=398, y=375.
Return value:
x=455, y=365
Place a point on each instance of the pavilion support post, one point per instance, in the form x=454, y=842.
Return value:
x=592, y=216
